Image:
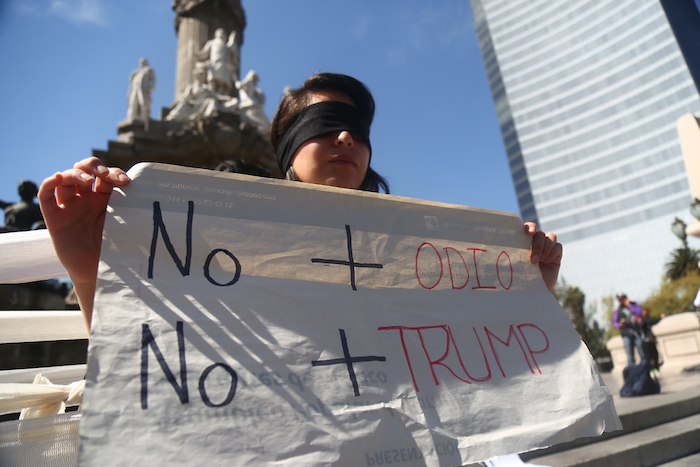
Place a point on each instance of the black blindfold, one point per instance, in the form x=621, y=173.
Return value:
x=316, y=120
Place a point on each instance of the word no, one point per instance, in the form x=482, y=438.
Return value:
x=159, y=226
x=181, y=388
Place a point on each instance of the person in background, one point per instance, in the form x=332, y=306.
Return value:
x=320, y=133
x=628, y=319
x=651, y=352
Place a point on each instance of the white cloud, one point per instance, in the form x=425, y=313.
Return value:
x=444, y=26
x=76, y=11
x=24, y=7
x=80, y=11
x=362, y=27
x=432, y=27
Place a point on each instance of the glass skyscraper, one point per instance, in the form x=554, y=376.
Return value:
x=587, y=95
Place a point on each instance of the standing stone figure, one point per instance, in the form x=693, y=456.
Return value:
x=223, y=61
x=141, y=84
x=252, y=102
x=24, y=214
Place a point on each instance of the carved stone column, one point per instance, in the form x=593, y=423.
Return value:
x=195, y=23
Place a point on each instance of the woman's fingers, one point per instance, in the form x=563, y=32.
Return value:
x=86, y=176
x=556, y=251
x=92, y=165
x=61, y=188
x=550, y=248
x=530, y=228
x=544, y=248
x=546, y=251
x=77, y=187
x=537, y=247
x=65, y=194
x=95, y=168
x=114, y=177
x=46, y=194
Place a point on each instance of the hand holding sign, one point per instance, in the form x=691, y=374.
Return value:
x=252, y=330
x=546, y=252
x=73, y=203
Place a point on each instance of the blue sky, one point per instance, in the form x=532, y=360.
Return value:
x=66, y=65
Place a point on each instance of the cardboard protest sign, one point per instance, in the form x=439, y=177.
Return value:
x=246, y=321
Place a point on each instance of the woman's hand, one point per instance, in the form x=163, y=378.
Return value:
x=547, y=252
x=73, y=203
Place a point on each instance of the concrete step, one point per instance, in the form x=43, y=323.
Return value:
x=638, y=413
x=692, y=460
x=648, y=447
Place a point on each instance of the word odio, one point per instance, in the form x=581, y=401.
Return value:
x=434, y=266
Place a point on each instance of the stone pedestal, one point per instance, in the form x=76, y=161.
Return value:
x=203, y=143
x=678, y=343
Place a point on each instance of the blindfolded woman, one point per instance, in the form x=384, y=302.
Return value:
x=321, y=135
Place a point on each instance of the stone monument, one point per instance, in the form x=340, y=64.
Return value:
x=216, y=116
x=24, y=214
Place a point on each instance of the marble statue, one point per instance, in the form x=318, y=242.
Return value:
x=25, y=214
x=252, y=102
x=199, y=99
x=141, y=84
x=223, y=61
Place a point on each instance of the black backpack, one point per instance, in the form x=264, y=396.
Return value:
x=638, y=381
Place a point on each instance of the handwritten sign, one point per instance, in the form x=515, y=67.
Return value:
x=249, y=321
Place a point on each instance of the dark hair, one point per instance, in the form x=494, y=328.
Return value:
x=241, y=166
x=295, y=100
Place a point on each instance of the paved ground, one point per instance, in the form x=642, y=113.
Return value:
x=672, y=387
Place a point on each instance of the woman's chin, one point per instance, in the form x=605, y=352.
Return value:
x=342, y=182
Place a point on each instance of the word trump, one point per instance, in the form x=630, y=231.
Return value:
x=436, y=346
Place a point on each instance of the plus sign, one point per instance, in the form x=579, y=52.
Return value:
x=348, y=360
x=350, y=262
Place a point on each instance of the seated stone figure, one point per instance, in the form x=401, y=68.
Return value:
x=24, y=214
x=199, y=99
x=252, y=102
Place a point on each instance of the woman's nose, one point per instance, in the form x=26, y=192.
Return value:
x=344, y=138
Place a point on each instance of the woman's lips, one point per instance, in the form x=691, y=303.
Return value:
x=343, y=160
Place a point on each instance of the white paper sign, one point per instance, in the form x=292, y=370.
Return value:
x=244, y=321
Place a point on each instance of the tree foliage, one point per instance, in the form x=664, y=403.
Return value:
x=674, y=296
x=609, y=305
x=683, y=261
x=573, y=300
